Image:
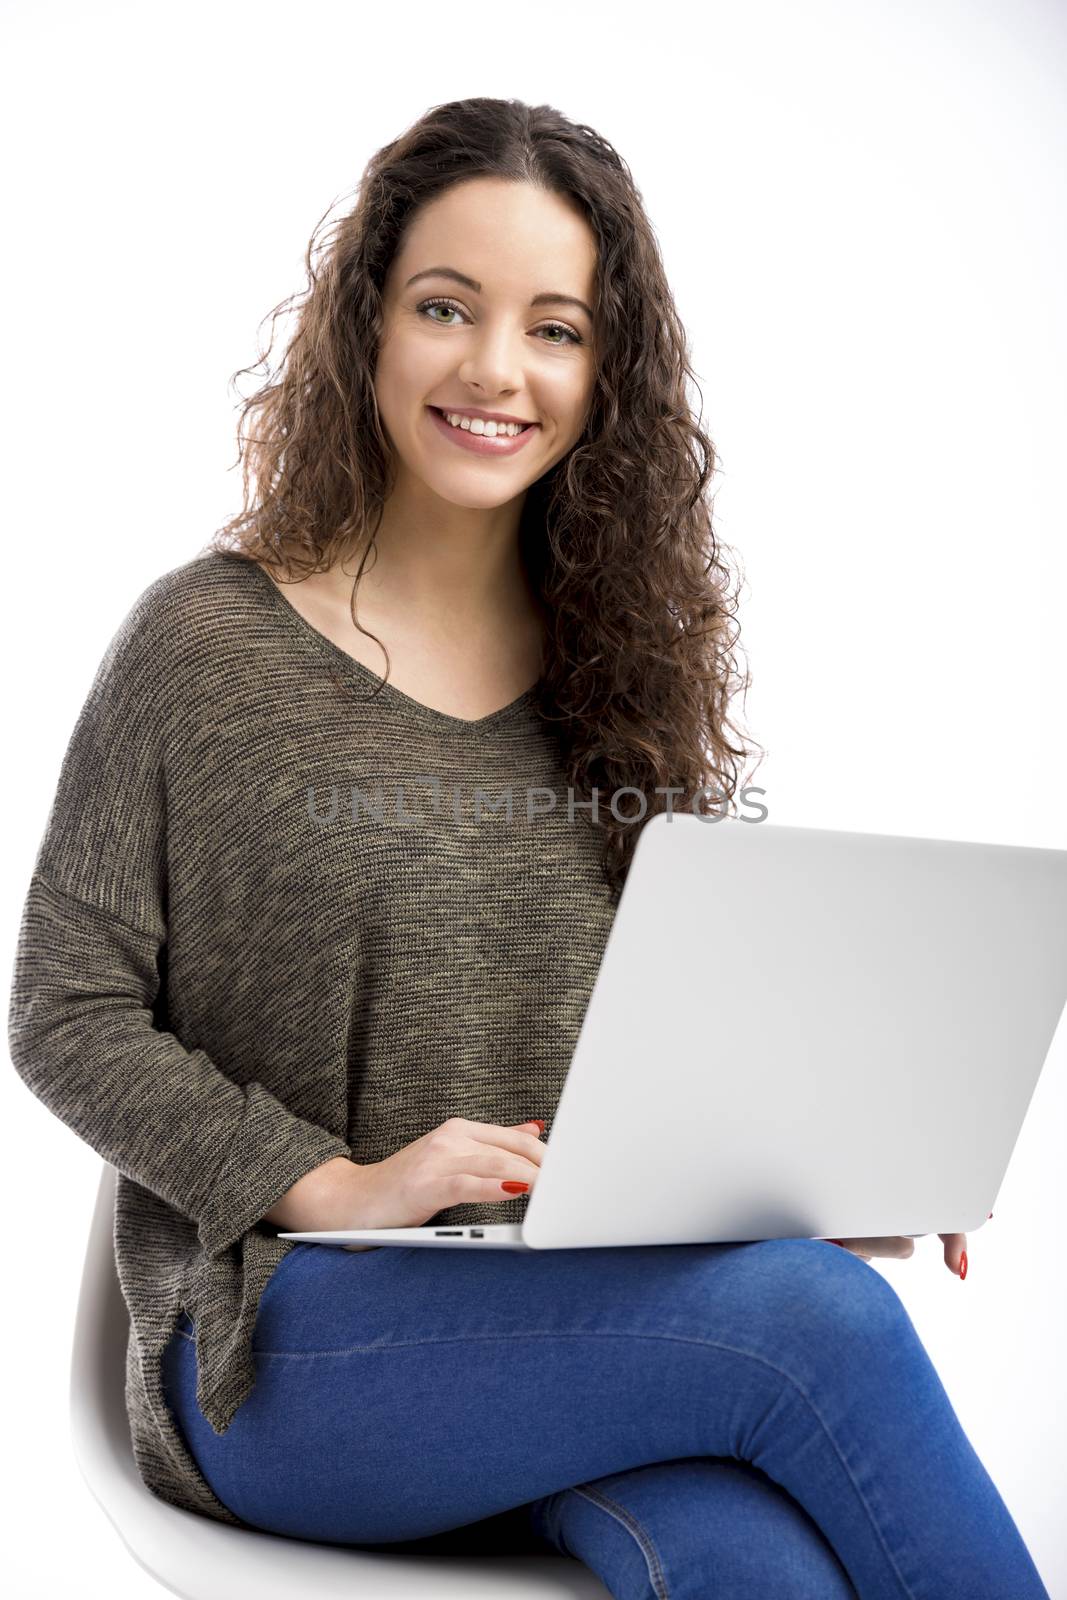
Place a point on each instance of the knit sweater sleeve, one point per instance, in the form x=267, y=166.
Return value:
x=88, y=968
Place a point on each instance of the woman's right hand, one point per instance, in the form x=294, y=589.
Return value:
x=458, y=1163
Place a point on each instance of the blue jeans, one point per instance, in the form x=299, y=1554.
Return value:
x=736, y=1420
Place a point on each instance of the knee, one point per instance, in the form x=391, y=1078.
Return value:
x=827, y=1297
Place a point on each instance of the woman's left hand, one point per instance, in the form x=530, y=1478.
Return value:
x=900, y=1248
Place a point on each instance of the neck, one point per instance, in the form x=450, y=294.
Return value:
x=468, y=568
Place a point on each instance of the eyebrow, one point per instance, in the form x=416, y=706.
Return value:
x=549, y=297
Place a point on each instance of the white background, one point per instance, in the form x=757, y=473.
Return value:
x=861, y=210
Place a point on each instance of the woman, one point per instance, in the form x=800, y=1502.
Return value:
x=277, y=1003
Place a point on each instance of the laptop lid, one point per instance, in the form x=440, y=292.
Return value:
x=804, y=1032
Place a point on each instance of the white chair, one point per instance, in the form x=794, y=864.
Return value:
x=200, y=1559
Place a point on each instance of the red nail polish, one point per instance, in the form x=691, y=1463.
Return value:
x=963, y=1264
x=515, y=1188
x=540, y=1124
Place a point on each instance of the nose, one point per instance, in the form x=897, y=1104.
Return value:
x=493, y=367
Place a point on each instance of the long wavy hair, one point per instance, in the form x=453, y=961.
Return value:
x=617, y=539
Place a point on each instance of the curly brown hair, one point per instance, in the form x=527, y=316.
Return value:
x=616, y=537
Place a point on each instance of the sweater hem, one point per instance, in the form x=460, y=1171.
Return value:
x=165, y=1464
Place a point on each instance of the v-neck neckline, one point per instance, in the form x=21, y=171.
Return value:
x=383, y=688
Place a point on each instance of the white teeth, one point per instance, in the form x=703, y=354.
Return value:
x=491, y=430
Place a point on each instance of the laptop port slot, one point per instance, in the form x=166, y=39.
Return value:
x=476, y=1233
x=448, y=1233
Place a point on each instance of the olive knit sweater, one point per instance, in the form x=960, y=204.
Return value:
x=245, y=950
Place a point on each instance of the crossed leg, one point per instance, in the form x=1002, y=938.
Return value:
x=699, y=1528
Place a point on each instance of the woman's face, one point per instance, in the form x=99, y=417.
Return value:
x=489, y=348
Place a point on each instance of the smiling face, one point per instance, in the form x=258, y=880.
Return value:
x=510, y=339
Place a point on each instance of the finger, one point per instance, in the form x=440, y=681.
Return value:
x=955, y=1250
x=847, y=1243
x=896, y=1247
x=522, y=1138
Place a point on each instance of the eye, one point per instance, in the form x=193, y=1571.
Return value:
x=450, y=305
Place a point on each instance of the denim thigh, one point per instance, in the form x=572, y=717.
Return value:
x=405, y=1392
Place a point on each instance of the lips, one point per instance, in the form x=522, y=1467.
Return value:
x=480, y=444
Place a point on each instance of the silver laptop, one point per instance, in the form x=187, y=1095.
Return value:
x=796, y=1032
